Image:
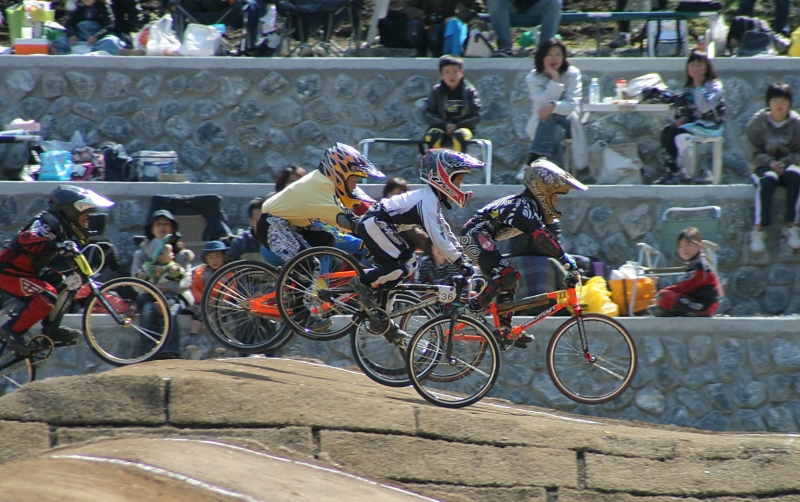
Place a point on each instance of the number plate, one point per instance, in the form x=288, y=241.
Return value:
x=447, y=294
x=73, y=281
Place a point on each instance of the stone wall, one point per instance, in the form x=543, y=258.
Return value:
x=243, y=119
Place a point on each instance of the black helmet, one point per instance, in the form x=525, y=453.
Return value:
x=68, y=203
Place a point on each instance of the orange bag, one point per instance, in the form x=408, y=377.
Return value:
x=622, y=289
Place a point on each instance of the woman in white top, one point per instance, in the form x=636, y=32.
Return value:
x=556, y=91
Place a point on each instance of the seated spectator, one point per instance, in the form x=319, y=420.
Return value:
x=555, y=90
x=161, y=225
x=129, y=17
x=772, y=148
x=288, y=176
x=699, y=110
x=214, y=257
x=699, y=294
x=394, y=186
x=500, y=12
x=422, y=24
x=434, y=268
x=92, y=22
x=452, y=108
x=245, y=246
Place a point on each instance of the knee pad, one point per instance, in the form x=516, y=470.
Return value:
x=510, y=278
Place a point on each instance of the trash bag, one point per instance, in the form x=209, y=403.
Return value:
x=595, y=298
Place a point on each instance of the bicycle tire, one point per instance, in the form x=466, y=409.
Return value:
x=14, y=371
x=304, y=278
x=592, y=382
x=474, y=372
x=227, y=311
x=384, y=362
x=141, y=337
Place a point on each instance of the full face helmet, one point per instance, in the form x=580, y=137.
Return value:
x=545, y=181
x=68, y=203
x=441, y=165
x=342, y=161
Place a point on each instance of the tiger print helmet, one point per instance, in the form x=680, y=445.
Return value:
x=342, y=161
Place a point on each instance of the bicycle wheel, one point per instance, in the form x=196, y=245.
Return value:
x=14, y=371
x=143, y=328
x=466, y=375
x=314, y=298
x=380, y=360
x=240, y=308
x=602, y=374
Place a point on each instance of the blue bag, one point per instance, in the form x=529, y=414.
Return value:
x=56, y=166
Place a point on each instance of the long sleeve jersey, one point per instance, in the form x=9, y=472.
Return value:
x=420, y=208
x=35, y=246
x=702, y=285
x=311, y=198
x=511, y=216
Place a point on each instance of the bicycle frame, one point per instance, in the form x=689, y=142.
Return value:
x=563, y=298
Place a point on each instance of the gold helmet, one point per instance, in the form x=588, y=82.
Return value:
x=545, y=180
x=342, y=161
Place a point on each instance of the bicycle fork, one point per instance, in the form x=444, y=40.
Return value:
x=576, y=306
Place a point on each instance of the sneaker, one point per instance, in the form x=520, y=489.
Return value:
x=658, y=311
x=792, y=237
x=670, y=179
x=66, y=336
x=322, y=325
x=622, y=40
x=523, y=340
x=396, y=336
x=364, y=293
x=757, y=242
x=503, y=53
x=192, y=345
x=15, y=341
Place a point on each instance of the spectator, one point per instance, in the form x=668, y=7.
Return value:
x=699, y=110
x=435, y=269
x=214, y=257
x=452, y=108
x=624, y=27
x=699, y=294
x=129, y=17
x=92, y=22
x=288, y=176
x=422, y=24
x=555, y=89
x=781, y=22
x=163, y=224
x=500, y=15
x=394, y=186
x=245, y=246
x=772, y=148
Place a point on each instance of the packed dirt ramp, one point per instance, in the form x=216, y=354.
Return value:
x=283, y=429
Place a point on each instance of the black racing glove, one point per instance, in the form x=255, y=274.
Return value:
x=465, y=266
x=348, y=220
x=68, y=248
x=572, y=278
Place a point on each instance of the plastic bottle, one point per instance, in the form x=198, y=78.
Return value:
x=594, y=91
x=27, y=23
x=621, y=85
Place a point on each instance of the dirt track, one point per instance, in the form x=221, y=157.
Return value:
x=226, y=430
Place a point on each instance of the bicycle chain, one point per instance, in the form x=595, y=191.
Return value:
x=43, y=347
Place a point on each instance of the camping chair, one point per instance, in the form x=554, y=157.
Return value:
x=673, y=221
x=316, y=19
x=237, y=15
x=200, y=218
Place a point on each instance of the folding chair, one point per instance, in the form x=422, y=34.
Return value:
x=236, y=15
x=200, y=218
x=305, y=20
x=673, y=221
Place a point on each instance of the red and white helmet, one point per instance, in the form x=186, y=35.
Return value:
x=440, y=166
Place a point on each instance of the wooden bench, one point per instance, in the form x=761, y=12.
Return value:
x=527, y=20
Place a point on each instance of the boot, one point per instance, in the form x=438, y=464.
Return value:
x=364, y=292
x=65, y=336
x=15, y=341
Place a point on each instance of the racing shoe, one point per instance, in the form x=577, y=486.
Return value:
x=523, y=340
x=15, y=341
x=65, y=337
x=364, y=292
x=396, y=336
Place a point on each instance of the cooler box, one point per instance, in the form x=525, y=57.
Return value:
x=31, y=46
x=16, y=14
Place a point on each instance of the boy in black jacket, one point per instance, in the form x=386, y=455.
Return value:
x=452, y=108
x=92, y=22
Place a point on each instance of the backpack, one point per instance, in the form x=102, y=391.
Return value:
x=119, y=165
x=743, y=24
x=667, y=37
